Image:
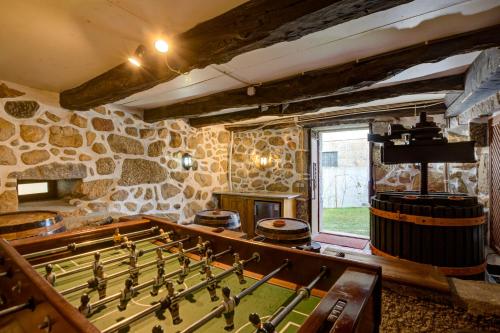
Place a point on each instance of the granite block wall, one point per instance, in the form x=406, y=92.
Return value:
x=120, y=163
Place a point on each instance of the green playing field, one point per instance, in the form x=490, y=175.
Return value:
x=266, y=300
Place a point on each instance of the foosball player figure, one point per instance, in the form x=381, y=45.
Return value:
x=200, y=246
x=117, y=238
x=96, y=263
x=126, y=244
x=238, y=264
x=229, y=303
x=164, y=236
x=167, y=302
x=84, y=307
x=184, y=270
x=261, y=327
x=49, y=275
x=160, y=261
x=101, y=282
x=182, y=255
x=207, y=260
x=211, y=284
x=157, y=329
x=133, y=270
x=158, y=282
x=134, y=252
x=126, y=294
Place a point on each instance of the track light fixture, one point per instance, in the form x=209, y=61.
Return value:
x=139, y=53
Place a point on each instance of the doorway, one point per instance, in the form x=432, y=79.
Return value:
x=343, y=182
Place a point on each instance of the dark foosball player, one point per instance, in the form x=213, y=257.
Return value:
x=126, y=294
x=84, y=307
x=167, y=303
x=238, y=264
x=49, y=275
x=157, y=329
x=207, y=260
x=99, y=281
x=134, y=252
x=117, y=238
x=160, y=262
x=96, y=263
x=260, y=327
x=211, y=284
x=133, y=270
x=229, y=303
x=158, y=282
x=184, y=270
x=182, y=255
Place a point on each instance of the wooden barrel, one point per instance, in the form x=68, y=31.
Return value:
x=284, y=230
x=30, y=223
x=441, y=229
x=227, y=219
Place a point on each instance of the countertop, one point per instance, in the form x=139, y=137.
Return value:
x=272, y=195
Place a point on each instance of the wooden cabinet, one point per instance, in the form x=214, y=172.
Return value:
x=244, y=204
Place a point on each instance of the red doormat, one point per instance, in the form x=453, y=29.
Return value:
x=356, y=243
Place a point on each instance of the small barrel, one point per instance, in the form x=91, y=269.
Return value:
x=30, y=223
x=284, y=230
x=442, y=229
x=227, y=219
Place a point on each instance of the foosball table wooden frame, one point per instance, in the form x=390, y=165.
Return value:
x=350, y=291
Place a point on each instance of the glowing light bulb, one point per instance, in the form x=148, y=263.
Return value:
x=161, y=46
x=134, y=61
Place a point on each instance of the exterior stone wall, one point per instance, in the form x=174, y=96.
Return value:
x=122, y=163
x=287, y=171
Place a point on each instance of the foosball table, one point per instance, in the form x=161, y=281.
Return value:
x=153, y=275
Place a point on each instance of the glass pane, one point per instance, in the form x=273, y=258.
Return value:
x=33, y=188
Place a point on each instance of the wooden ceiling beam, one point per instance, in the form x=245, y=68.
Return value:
x=253, y=25
x=336, y=79
x=348, y=116
x=448, y=84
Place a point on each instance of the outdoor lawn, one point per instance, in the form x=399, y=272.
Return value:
x=354, y=220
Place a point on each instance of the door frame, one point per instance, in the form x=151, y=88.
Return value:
x=315, y=198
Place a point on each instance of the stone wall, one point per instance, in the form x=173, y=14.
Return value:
x=123, y=164
x=287, y=153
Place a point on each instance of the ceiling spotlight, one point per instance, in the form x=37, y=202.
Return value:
x=251, y=91
x=136, y=59
x=161, y=46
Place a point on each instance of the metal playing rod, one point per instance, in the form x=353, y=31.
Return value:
x=133, y=318
x=218, y=311
x=120, y=273
x=74, y=246
x=150, y=282
x=116, y=259
x=302, y=294
x=89, y=253
x=220, y=276
x=28, y=305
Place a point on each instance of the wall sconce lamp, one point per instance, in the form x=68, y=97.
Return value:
x=187, y=161
x=263, y=161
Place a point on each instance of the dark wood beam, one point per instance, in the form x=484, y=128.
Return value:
x=440, y=85
x=365, y=114
x=250, y=26
x=341, y=78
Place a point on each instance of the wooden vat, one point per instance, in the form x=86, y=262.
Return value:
x=441, y=229
x=30, y=223
x=227, y=219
